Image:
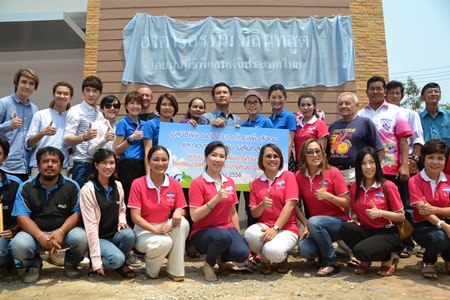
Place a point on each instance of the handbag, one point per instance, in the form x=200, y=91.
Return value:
x=404, y=228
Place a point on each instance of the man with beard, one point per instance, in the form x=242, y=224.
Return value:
x=47, y=209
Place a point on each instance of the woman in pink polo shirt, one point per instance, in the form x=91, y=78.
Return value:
x=376, y=203
x=429, y=193
x=325, y=196
x=310, y=126
x=157, y=208
x=212, y=205
x=273, y=197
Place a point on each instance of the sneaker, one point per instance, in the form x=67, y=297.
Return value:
x=32, y=274
x=55, y=259
x=133, y=260
x=72, y=271
x=85, y=262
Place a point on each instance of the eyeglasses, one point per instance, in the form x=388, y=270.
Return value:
x=270, y=156
x=251, y=103
x=110, y=105
x=313, y=151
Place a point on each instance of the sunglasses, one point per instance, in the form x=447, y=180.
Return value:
x=110, y=105
x=313, y=151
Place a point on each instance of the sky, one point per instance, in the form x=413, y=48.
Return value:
x=418, y=41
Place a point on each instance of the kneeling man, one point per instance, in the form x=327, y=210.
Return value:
x=47, y=208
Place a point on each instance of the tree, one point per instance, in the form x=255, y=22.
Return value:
x=445, y=105
x=412, y=99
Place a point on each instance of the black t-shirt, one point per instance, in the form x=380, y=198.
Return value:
x=8, y=190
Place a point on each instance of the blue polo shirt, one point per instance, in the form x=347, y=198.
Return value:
x=260, y=122
x=230, y=119
x=284, y=120
x=125, y=128
x=19, y=157
x=438, y=127
x=151, y=130
x=48, y=208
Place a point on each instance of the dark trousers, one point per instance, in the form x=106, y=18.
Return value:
x=250, y=219
x=129, y=170
x=371, y=244
x=434, y=241
x=215, y=242
x=409, y=211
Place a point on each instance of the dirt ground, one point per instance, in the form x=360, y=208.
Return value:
x=300, y=282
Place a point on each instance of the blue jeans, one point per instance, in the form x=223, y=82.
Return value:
x=5, y=256
x=215, y=242
x=113, y=251
x=26, y=249
x=81, y=172
x=323, y=231
x=434, y=241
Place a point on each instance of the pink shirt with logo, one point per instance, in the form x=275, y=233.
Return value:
x=156, y=204
x=436, y=193
x=392, y=125
x=282, y=189
x=376, y=195
x=313, y=129
x=334, y=183
x=203, y=189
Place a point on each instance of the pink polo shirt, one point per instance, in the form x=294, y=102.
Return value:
x=313, y=129
x=283, y=188
x=203, y=189
x=437, y=194
x=156, y=204
x=334, y=183
x=375, y=194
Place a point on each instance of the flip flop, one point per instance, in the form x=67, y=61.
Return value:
x=126, y=272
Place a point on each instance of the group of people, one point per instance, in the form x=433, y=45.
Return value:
x=347, y=183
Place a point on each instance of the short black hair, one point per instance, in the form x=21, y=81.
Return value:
x=94, y=82
x=213, y=91
x=376, y=78
x=429, y=86
x=395, y=84
x=4, y=144
x=50, y=150
x=434, y=146
x=277, y=87
x=172, y=100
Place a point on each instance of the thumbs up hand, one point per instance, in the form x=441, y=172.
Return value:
x=15, y=122
x=374, y=212
x=91, y=133
x=426, y=209
x=267, y=201
x=109, y=135
x=137, y=134
x=49, y=130
x=222, y=194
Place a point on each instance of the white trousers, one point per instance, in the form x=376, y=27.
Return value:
x=275, y=250
x=159, y=246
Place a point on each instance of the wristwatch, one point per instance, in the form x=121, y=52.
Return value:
x=276, y=227
x=439, y=224
x=130, y=140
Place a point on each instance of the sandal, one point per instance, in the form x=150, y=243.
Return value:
x=209, y=273
x=126, y=272
x=429, y=271
x=175, y=278
x=353, y=262
x=328, y=271
x=282, y=267
x=388, y=270
x=363, y=268
x=265, y=268
x=92, y=273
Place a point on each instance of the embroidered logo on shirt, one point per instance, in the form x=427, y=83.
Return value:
x=280, y=184
x=170, y=196
x=63, y=206
x=324, y=183
x=379, y=195
x=446, y=189
x=229, y=189
x=386, y=123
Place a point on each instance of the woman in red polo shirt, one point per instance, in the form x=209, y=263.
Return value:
x=325, y=195
x=376, y=203
x=157, y=207
x=310, y=126
x=273, y=197
x=429, y=193
x=212, y=205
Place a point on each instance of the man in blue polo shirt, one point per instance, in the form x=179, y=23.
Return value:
x=435, y=120
x=221, y=116
x=47, y=209
x=16, y=113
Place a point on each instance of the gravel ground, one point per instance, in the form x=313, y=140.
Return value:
x=298, y=283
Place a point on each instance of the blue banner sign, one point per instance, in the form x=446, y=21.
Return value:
x=186, y=146
x=243, y=53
